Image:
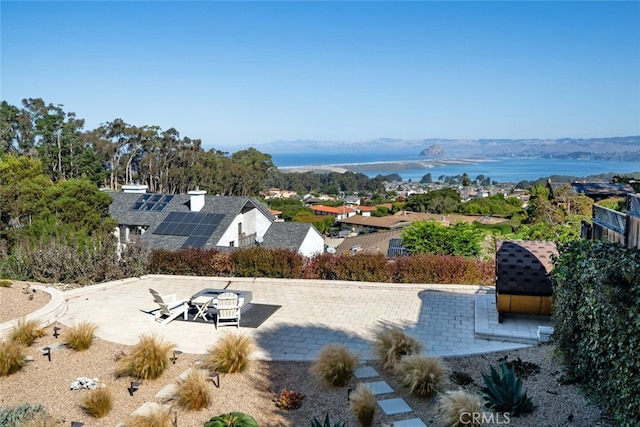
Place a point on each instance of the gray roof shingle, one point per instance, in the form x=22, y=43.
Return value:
x=287, y=235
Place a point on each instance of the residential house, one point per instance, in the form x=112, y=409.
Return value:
x=195, y=220
x=340, y=212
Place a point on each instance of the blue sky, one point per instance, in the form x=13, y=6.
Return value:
x=238, y=74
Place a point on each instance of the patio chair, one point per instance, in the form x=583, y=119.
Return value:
x=228, y=310
x=170, y=307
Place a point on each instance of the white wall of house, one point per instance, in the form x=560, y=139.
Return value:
x=253, y=222
x=313, y=244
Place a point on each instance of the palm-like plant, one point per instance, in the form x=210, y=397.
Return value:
x=503, y=391
x=327, y=422
x=232, y=419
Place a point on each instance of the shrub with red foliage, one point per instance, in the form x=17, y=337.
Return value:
x=264, y=262
x=190, y=262
x=443, y=269
x=283, y=263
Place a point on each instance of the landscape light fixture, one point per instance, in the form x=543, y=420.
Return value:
x=135, y=385
x=174, y=422
x=76, y=424
x=175, y=356
x=55, y=331
x=215, y=378
x=46, y=351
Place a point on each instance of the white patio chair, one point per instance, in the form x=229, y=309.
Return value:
x=228, y=309
x=170, y=307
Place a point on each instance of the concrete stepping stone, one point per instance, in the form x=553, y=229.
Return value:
x=365, y=372
x=183, y=376
x=394, y=406
x=413, y=422
x=378, y=387
x=147, y=408
x=168, y=392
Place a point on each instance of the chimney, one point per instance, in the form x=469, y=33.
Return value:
x=134, y=188
x=196, y=201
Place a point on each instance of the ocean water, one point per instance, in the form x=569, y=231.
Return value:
x=503, y=170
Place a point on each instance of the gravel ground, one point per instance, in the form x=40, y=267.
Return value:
x=19, y=300
x=48, y=383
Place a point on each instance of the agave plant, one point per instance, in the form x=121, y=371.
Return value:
x=232, y=419
x=503, y=391
x=327, y=422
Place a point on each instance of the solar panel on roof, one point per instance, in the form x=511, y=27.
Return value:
x=152, y=202
x=197, y=226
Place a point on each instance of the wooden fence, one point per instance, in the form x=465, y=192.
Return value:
x=614, y=226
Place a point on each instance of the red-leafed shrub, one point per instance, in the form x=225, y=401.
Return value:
x=365, y=268
x=443, y=269
x=323, y=267
x=190, y=262
x=262, y=262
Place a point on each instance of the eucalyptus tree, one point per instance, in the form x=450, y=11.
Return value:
x=16, y=129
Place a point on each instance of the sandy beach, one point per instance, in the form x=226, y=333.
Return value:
x=380, y=166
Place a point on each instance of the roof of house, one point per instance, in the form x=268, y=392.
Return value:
x=371, y=243
x=170, y=222
x=595, y=190
x=601, y=190
x=341, y=210
x=287, y=235
x=389, y=222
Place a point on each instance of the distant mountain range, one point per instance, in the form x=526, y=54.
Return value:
x=614, y=148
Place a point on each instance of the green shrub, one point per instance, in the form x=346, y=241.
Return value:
x=25, y=332
x=288, y=399
x=229, y=355
x=327, y=422
x=79, y=337
x=335, y=365
x=12, y=357
x=363, y=404
x=422, y=375
x=74, y=258
x=503, y=391
x=391, y=343
x=193, y=392
x=98, y=403
x=148, y=359
x=456, y=408
x=16, y=416
x=41, y=420
x=232, y=419
x=596, y=291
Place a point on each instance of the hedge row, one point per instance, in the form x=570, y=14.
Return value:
x=597, y=322
x=280, y=263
